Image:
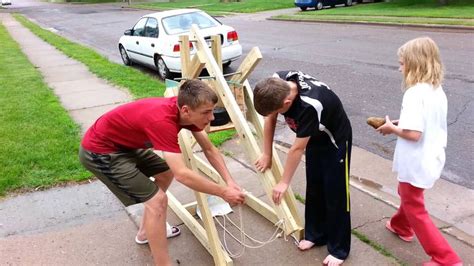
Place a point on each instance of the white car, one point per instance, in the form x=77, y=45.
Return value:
x=6, y=2
x=154, y=40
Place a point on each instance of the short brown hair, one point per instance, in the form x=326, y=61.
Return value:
x=194, y=93
x=422, y=62
x=269, y=94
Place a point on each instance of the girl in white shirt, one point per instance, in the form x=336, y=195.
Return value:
x=420, y=151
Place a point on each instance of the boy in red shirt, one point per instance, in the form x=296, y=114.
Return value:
x=118, y=149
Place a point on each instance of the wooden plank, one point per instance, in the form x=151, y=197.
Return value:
x=211, y=241
x=217, y=49
x=185, y=55
x=195, y=67
x=277, y=168
x=261, y=207
x=252, y=148
x=219, y=255
x=227, y=126
x=194, y=226
x=247, y=66
x=250, y=200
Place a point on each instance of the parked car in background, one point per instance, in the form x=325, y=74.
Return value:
x=319, y=4
x=154, y=40
x=6, y=2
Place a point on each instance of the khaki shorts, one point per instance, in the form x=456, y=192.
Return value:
x=126, y=173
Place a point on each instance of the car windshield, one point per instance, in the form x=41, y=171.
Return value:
x=182, y=23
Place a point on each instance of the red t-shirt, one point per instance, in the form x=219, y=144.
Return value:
x=146, y=123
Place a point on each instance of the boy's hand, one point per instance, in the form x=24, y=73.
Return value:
x=233, y=195
x=278, y=192
x=263, y=163
x=387, y=128
x=234, y=185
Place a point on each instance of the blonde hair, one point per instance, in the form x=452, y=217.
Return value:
x=422, y=62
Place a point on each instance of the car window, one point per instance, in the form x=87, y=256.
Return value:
x=182, y=23
x=139, y=29
x=151, y=28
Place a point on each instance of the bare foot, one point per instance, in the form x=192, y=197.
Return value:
x=305, y=245
x=332, y=261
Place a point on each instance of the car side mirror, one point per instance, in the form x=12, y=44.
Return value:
x=128, y=32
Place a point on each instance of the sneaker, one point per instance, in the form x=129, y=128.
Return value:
x=404, y=238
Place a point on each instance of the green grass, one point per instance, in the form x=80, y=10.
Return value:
x=138, y=83
x=39, y=141
x=213, y=6
x=218, y=138
x=382, y=250
x=457, y=12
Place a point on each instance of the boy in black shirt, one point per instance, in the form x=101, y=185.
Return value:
x=316, y=115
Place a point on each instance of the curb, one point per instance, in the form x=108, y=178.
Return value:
x=407, y=25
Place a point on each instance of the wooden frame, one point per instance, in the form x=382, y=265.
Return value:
x=211, y=59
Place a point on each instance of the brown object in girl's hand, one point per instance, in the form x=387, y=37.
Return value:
x=375, y=122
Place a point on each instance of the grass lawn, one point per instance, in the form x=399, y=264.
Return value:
x=39, y=141
x=216, y=7
x=457, y=12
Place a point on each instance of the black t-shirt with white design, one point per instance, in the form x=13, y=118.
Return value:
x=316, y=112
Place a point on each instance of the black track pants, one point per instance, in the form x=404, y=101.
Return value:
x=327, y=211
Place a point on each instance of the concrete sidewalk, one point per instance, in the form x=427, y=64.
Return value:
x=85, y=224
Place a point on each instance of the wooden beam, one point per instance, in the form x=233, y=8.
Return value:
x=247, y=66
x=252, y=148
x=195, y=67
x=250, y=200
x=193, y=225
x=217, y=49
x=219, y=255
x=211, y=241
x=277, y=168
x=185, y=55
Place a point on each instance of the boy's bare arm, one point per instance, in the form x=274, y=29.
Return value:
x=292, y=161
x=265, y=160
x=197, y=182
x=215, y=158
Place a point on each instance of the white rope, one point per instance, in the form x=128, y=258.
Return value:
x=281, y=223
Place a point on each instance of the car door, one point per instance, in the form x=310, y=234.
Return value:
x=133, y=42
x=149, y=41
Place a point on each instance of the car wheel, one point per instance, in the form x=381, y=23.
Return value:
x=124, y=55
x=319, y=5
x=226, y=65
x=348, y=3
x=163, y=70
x=303, y=8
